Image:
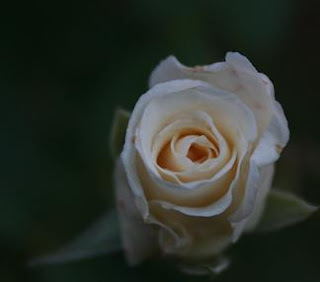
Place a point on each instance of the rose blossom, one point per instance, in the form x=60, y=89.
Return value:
x=198, y=159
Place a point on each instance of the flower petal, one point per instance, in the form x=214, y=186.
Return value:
x=237, y=75
x=274, y=139
x=168, y=69
x=139, y=239
x=196, y=242
x=212, y=267
x=239, y=61
x=249, y=191
x=266, y=174
x=216, y=208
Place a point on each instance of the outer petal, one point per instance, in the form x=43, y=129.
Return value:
x=249, y=212
x=236, y=75
x=244, y=195
x=274, y=139
x=139, y=239
x=213, y=267
x=169, y=69
x=266, y=174
x=203, y=237
x=239, y=61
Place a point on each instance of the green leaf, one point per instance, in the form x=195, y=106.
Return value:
x=284, y=209
x=118, y=131
x=101, y=238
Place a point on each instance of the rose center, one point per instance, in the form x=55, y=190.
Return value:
x=183, y=152
x=198, y=153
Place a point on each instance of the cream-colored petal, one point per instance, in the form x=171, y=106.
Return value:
x=239, y=61
x=139, y=239
x=237, y=75
x=239, y=218
x=266, y=177
x=213, y=266
x=203, y=195
x=274, y=139
x=168, y=69
x=197, y=242
x=216, y=208
x=276, y=134
x=268, y=83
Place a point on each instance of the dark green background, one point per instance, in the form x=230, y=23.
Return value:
x=66, y=65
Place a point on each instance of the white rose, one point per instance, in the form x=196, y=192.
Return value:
x=198, y=159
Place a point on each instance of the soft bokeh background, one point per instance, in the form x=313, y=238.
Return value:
x=66, y=65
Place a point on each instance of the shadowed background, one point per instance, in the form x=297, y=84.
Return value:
x=64, y=68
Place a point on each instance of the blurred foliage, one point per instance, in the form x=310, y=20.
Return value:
x=64, y=68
